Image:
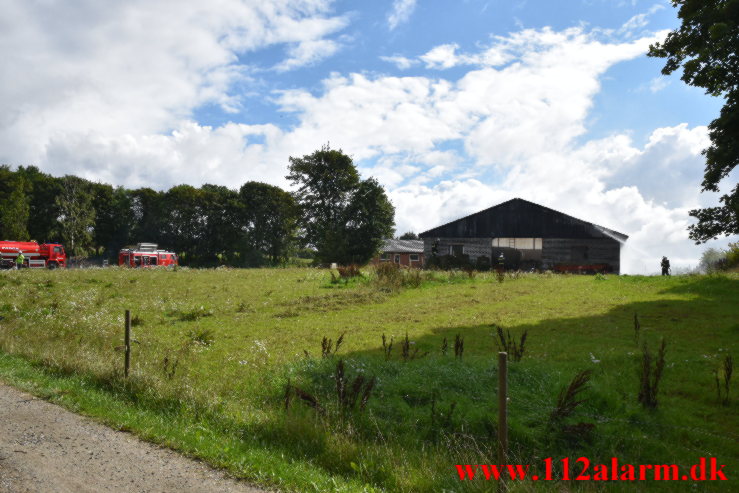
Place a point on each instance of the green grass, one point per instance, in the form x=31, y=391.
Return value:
x=214, y=349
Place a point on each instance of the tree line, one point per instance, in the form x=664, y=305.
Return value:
x=333, y=216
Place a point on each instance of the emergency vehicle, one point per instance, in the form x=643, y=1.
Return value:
x=146, y=255
x=51, y=255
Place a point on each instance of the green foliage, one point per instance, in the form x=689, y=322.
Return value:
x=344, y=218
x=76, y=215
x=711, y=260
x=410, y=235
x=14, y=207
x=705, y=46
x=201, y=336
x=268, y=220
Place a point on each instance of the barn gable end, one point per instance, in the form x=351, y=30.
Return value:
x=528, y=235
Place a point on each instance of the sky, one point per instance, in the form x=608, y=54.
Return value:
x=453, y=105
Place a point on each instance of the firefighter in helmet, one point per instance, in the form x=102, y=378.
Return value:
x=19, y=260
x=665, y=264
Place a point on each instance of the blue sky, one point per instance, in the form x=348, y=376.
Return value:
x=453, y=105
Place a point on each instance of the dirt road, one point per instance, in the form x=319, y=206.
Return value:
x=45, y=448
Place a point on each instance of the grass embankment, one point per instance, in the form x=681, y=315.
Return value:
x=214, y=349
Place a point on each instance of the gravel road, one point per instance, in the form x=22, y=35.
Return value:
x=45, y=448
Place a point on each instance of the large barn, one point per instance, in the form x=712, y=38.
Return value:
x=529, y=236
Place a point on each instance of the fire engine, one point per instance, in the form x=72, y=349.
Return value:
x=49, y=255
x=146, y=255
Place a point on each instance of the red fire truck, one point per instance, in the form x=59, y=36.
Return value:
x=49, y=255
x=146, y=255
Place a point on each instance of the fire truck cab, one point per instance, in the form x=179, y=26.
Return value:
x=146, y=255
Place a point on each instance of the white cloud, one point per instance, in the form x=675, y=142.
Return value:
x=137, y=67
x=308, y=53
x=401, y=62
x=401, y=13
x=657, y=84
x=78, y=100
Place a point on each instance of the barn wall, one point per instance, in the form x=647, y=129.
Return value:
x=555, y=251
x=569, y=251
x=474, y=247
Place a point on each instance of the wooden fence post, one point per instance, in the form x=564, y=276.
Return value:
x=127, y=344
x=502, y=414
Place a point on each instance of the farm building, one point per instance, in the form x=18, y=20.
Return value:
x=402, y=252
x=529, y=236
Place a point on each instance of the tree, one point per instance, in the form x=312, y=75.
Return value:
x=369, y=219
x=268, y=220
x=410, y=235
x=43, y=214
x=706, y=46
x=221, y=231
x=113, y=219
x=14, y=207
x=146, y=214
x=342, y=217
x=76, y=215
x=183, y=221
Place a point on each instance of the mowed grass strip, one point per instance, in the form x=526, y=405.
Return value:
x=214, y=350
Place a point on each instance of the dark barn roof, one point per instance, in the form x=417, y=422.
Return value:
x=518, y=218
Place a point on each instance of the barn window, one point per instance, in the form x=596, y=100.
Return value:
x=414, y=257
x=385, y=257
x=456, y=250
x=518, y=243
x=397, y=258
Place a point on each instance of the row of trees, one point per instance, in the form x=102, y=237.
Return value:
x=333, y=214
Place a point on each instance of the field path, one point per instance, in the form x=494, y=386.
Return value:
x=45, y=448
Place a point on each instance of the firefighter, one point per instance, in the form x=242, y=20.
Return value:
x=19, y=260
x=665, y=264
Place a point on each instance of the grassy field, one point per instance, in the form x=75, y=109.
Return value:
x=214, y=351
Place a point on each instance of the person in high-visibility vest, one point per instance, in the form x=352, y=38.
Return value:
x=19, y=260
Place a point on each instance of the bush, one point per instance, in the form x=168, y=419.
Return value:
x=732, y=256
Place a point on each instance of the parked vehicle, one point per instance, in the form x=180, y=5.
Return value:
x=49, y=255
x=146, y=255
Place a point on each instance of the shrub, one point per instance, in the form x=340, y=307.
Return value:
x=406, y=352
x=508, y=344
x=567, y=401
x=203, y=337
x=723, y=378
x=649, y=379
x=348, y=395
x=349, y=271
x=712, y=260
x=458, y=346
x=327, y=345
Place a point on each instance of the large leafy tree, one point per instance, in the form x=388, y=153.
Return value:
x=369, y=218
x=183, y=221
x=113, y=220
x=706, y=46
x=76, y=214
x=14, y=206
x=343, y=217
x=268, y=220
x=146, y=214
x=43, y=214
x=221, y=225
